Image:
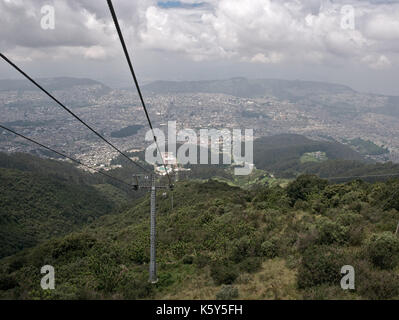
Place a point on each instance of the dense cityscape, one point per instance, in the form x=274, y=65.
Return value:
x=341, y=116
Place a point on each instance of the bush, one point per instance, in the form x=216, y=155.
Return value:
x=269, y=248
x=202, y=260
x=250, y=265
x=165, y=279
x=227, y=293
x=188, y=259
x=241, y=249
x=73, y=246
x=223, y=273
x=383, y=250
x=7, y=282
x=376, y=285
x=16, y=263
x=107, y=269
x=304, y=186
x=332, y=232
x=349, y=218
x=138, y=254
x=133, y=287
x=320, y=265
x=356, y=236
x=380, y=286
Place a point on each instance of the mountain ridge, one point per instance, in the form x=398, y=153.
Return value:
x=247, y=88
x=50, y=83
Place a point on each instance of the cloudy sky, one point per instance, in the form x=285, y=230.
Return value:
x=354, y=42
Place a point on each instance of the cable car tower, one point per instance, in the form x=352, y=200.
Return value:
x=148, y=182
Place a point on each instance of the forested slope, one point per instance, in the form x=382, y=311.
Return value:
x=41, y=198
x=224, y=242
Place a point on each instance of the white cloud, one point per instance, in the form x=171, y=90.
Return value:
x=266, y=31
x=384, y=26
x=95, y=52
x=258, y=31
x=377, y=62
x=270, y=58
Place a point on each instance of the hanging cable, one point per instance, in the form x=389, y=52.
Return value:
x=65, y=156
x=118, y=29
x=70, y=112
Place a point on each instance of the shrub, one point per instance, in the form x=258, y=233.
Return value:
x=320, y=265
x=165, y=279
x=137, y=252
x=7, y=282
x=383, y=250
x=107, y=269
x=304, y=186
x=269, y=248
x=227, y=293
x=306, y=240
x=376, y=285
x=349, y=218
x=332, y=232
x=251, y=264
x=223, y=273
x=135, y=287
x=356, y=236
x=202, y=260
x=73, y=246
x=188, y=259
x=241, y=249
x=16, y=263
x=380, y=286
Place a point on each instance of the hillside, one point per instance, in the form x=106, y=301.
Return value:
x=283, y=157
x=282, y=154
x=41, y=198
x=74, y=92
x=224, y=242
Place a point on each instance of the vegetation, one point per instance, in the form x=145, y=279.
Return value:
x=289, y=155
x=317, y=156
x=367, y=147
x=282, y=154
x=224, y=242
x=127, y=131
x=41, y=199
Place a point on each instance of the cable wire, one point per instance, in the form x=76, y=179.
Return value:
x=114, y=17
x=70, y=112
x=64, y=155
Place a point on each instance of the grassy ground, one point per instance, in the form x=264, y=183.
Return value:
x=313, y=157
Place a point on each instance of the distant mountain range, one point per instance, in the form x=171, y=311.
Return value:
x=247, y=88
x=57, y=83
x=240, y=87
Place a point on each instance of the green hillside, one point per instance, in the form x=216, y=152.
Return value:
x=282, y=154
x=367, y=147
x=224, y=242
x=40, y=199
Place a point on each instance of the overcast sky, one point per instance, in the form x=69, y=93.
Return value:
x=208, y=39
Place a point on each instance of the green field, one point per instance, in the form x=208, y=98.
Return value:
x=318, y=156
